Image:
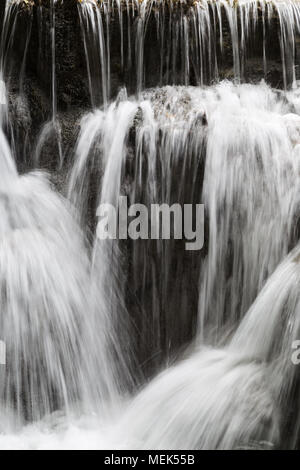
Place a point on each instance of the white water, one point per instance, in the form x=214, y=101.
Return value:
x=251, y=194
x=51, y=131
x=245, y=138
x=47, y=323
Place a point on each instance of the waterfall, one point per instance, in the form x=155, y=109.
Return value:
x=93, y=33
x=235, y=397
x=8, y=43
x=51, y=131
x=251, y=195
x=199, y=145
x=53, y=360
x=136, y=342
x=46, y=334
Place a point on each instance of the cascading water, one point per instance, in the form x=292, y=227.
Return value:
x=232, y=397
x=190, y=39
x=180, y=134
x=167, y=117
x=8, y=43
x=47, y=334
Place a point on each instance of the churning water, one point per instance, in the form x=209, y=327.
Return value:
x=95, y=329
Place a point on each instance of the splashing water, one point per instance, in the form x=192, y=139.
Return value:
x=52, y=360
x=47, y=321
x=190, y=40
